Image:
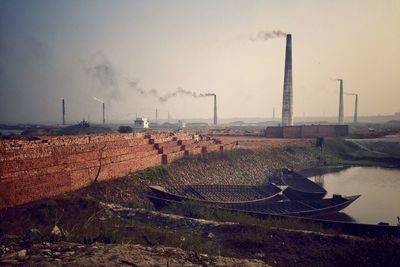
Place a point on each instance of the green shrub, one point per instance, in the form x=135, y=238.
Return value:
x=156, y=172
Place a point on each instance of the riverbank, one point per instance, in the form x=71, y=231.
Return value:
x=341, y=152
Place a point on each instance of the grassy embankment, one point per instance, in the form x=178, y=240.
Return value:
x=342, y=152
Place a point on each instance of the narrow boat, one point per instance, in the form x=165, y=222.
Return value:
x=218, y=193
x=297, y=208
x=300, y=187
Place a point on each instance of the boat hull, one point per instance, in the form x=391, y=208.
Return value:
x=219, y=194
x=308, y=208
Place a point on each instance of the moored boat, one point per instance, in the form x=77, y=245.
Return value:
x=218, y=193
x=298, y=208
x=306, y=208
x=300, y=187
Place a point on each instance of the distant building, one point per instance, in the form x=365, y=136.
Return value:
x=142, y=123
x=182, y=124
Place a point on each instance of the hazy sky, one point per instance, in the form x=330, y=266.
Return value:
x=119, y=51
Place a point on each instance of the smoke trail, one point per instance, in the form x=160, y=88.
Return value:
x=98, y=100
x=135, y=86
x=164, y=98
x=104, y=72
x=101, y=70
x=181, y=91
x=153, y=92
x=265, y=35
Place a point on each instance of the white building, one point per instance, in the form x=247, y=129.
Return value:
x=181, y=124
x=141, y=123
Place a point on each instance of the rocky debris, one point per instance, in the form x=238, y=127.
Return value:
x=14, y=257
x=117, y=254
x=56, y=231
x=243, y=166
x=21, y=254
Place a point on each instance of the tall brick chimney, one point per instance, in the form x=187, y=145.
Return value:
x=104, y=113
x=341, y=113
x=215, y=109
x=356, y=109
x=63, y=110
x=287, y=103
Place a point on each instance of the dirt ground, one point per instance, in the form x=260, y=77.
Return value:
x=99, y=254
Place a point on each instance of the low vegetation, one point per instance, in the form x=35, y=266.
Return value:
x=342, y=152
x=157, y=172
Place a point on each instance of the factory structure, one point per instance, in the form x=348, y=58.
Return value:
x=287, y=129
x=215, y=110
x=287, y=99
x=141, y=123
x=341, y=109
x=287, y=103
x=63, y=110
x=356, y=109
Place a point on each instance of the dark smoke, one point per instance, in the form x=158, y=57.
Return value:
x=135, y=86
x=164, y=98
x=264, y=35
x=104, y=73
x=153, y=92
x=181, y=91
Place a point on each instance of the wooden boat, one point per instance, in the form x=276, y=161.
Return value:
x=218, y=193
x=297, y=208
x=300, y=187
x=308, y=208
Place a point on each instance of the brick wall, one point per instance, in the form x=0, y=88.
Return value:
x=35, y=169
x=307, y=131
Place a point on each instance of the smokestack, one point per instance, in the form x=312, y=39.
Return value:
x=215, y=109
x=104, y=108
x=104, y=113
x=273, y=114
x=287, y=103
x=340, y=120
x=63, y=110
x=355, y=108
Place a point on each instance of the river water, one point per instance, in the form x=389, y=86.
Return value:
x=379, y=189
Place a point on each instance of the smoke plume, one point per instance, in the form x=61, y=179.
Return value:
x=98, y=100
x=183, y=92
x=164, y=98
x=102, y=71
x=265, y=35
x=135, y=86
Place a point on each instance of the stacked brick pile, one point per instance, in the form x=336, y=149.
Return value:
x=35, y=169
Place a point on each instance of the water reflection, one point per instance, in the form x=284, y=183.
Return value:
x=379, y=189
